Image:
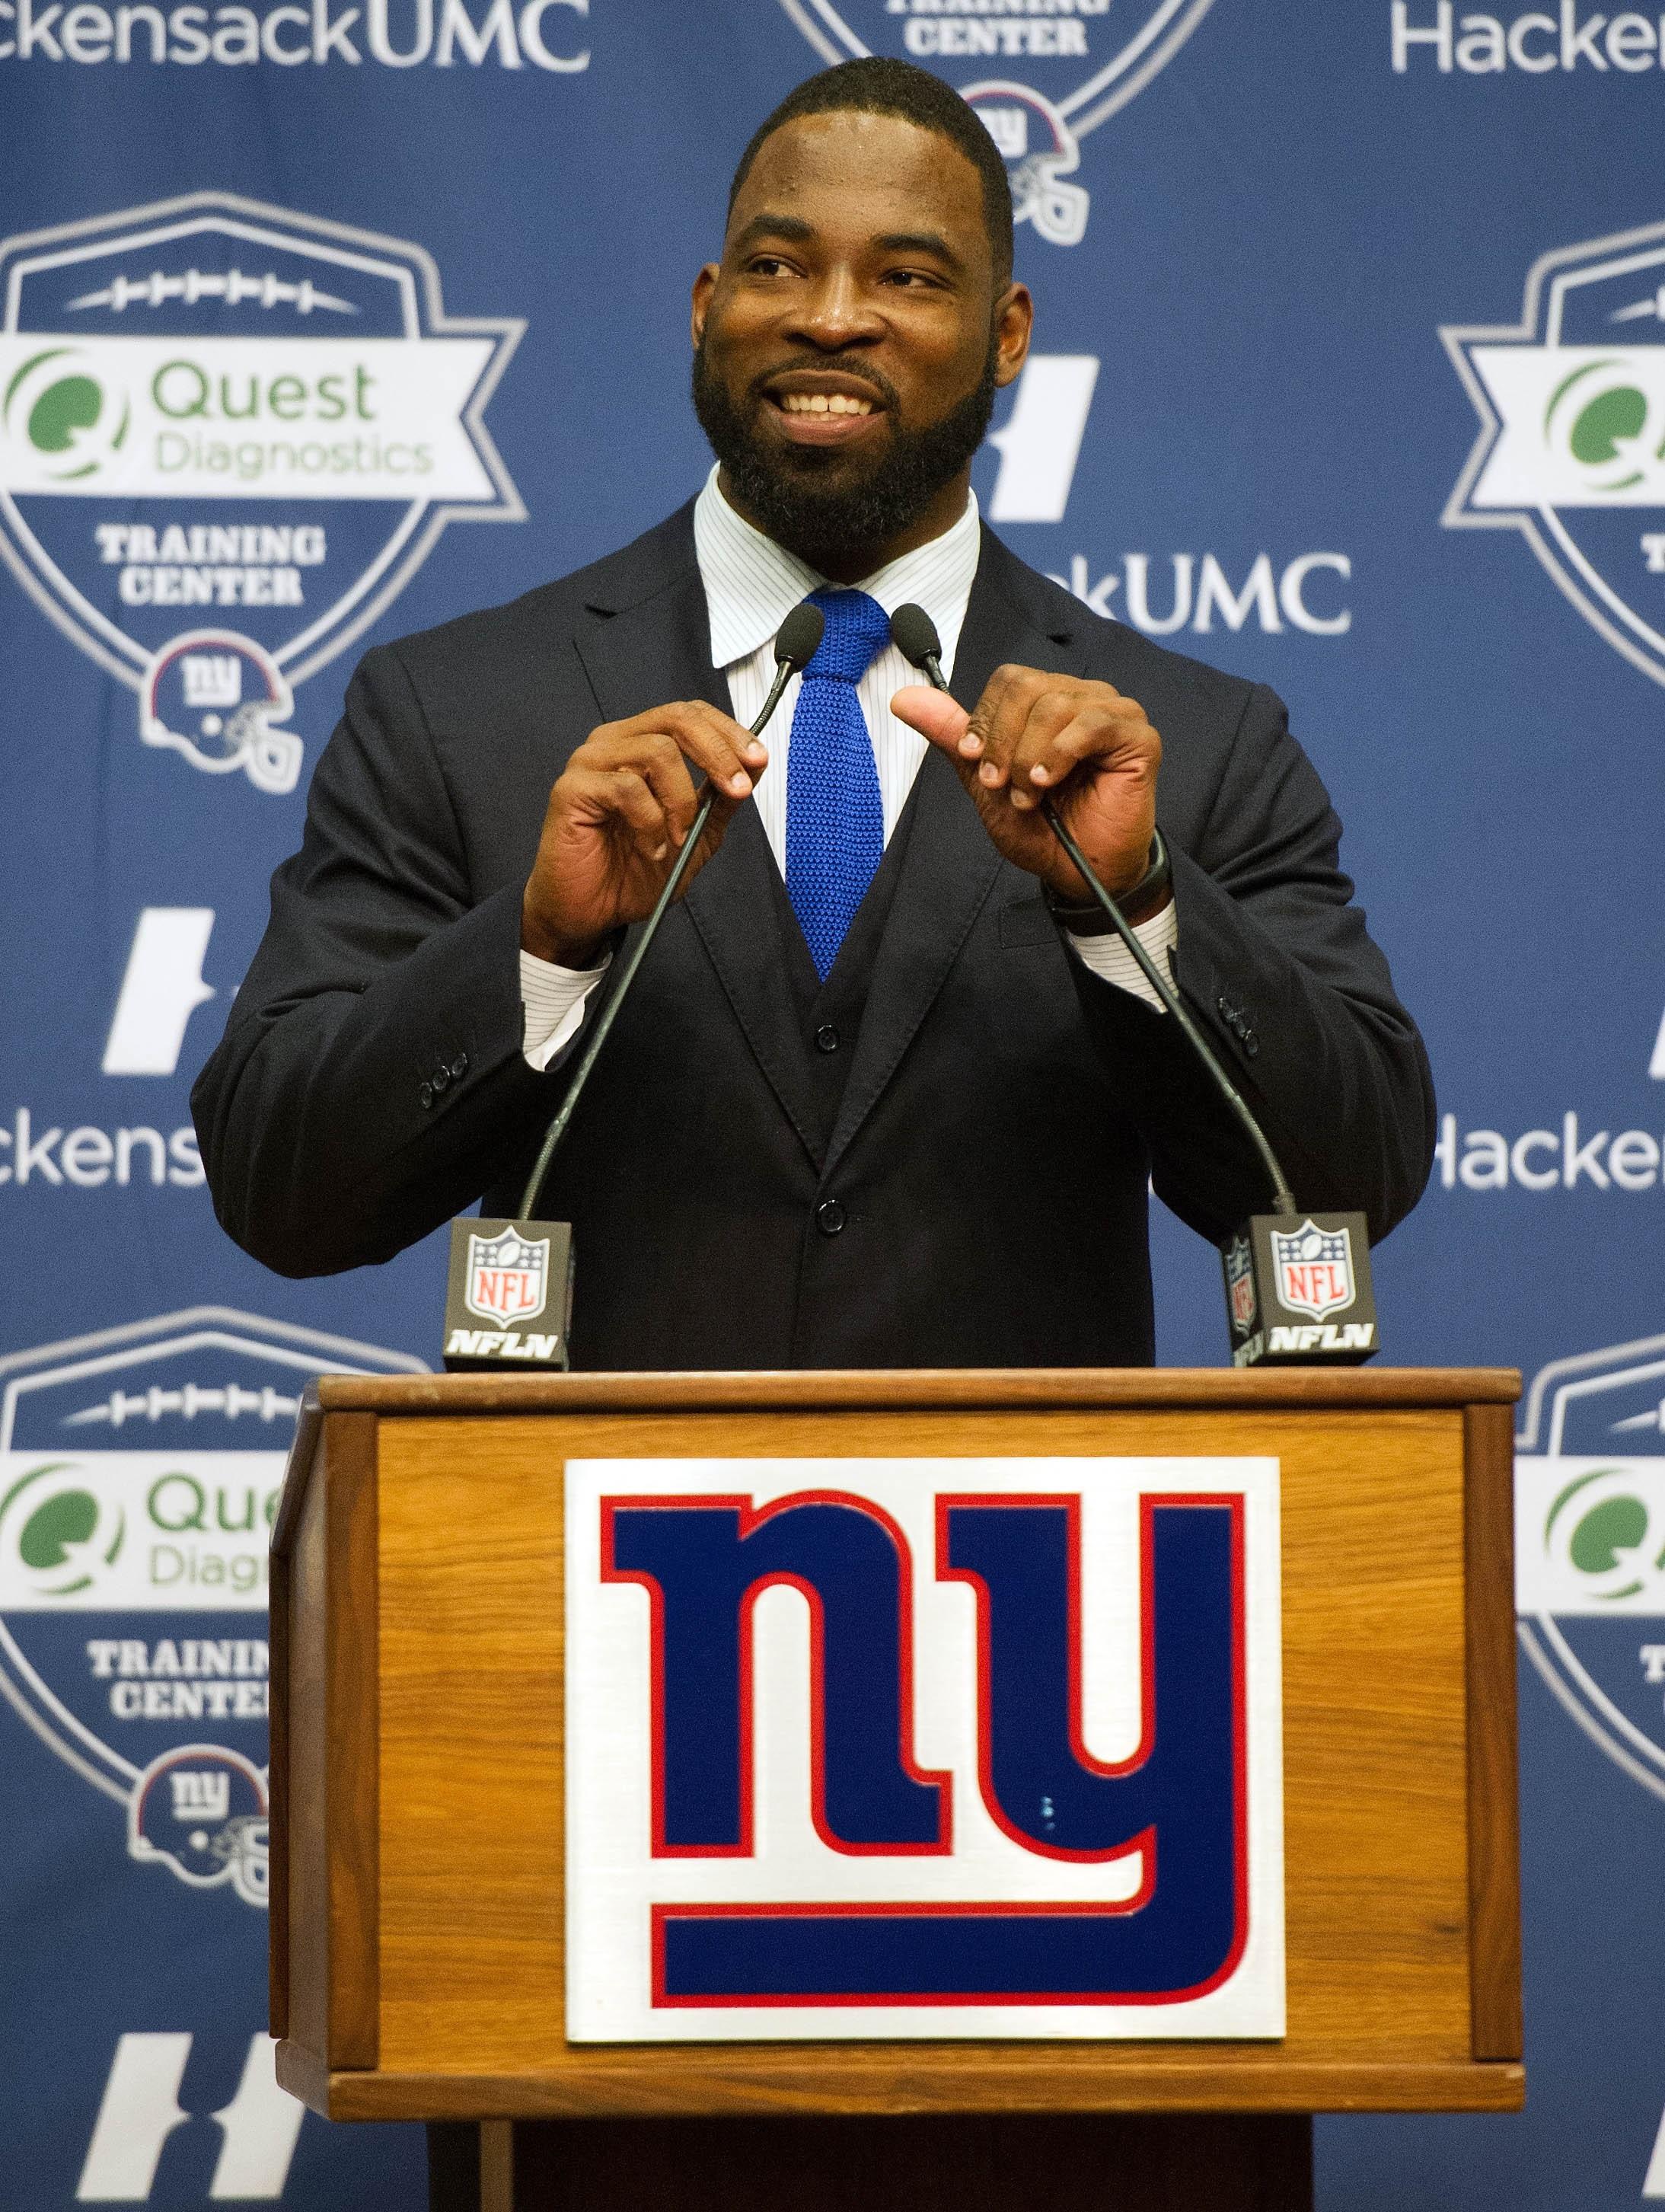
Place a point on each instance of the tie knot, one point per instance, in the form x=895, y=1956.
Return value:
x=857, y=629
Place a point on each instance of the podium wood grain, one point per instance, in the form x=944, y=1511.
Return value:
x=421, y=1704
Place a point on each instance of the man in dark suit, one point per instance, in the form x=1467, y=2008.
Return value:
x=883, y=1094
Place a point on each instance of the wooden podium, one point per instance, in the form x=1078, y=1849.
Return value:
x=417, y=1914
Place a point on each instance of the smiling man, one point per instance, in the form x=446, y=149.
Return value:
x=885, y=1093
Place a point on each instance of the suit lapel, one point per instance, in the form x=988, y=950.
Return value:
x=949, y=867
x=654, y=649
x=639, y=656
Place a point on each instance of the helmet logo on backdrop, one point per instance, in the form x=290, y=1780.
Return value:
x=230, y=437
x=1589, y=1547
x=1080, y=66
x=1571, y=447
x=139, y=1473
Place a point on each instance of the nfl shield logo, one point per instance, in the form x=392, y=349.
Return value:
x=1314, y=1269
x=1240, y=1283
x=508, y=1277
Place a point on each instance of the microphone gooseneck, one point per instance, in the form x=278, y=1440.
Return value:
x=915, y=636
x=795, y=645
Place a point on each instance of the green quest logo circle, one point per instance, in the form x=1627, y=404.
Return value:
x=65, y=414
x=61, y=1533
x=1609, y=1535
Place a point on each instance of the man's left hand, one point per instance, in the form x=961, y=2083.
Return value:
x=1034, y=736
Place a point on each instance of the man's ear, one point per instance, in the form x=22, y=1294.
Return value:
x=1014, y=324
x=704, y=285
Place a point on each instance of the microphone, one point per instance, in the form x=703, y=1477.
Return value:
x=1287, y=1272
x=511, y=1274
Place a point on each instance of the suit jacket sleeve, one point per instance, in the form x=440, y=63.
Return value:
x=377, y=1038
x=1276, y=963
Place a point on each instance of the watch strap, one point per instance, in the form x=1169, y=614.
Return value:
x=1091, y=920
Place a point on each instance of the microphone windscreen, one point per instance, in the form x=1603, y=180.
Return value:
x=914, y=634
x=799, y=637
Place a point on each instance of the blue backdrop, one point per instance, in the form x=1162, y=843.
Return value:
x=320, y=323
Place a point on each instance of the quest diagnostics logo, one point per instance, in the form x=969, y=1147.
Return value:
x=1571, y=447
x=140, y=1470
x=1040, y=75
x=230, y=437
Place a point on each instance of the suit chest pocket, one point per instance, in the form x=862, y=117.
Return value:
x=1026, y=920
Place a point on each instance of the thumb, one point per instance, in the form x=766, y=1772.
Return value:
x=932, y=713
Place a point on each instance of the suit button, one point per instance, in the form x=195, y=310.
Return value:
x=829, y=1217
x=459, y=1066
x=440, y=1078
x=426, y=1094
x=1251, y=1042
x=826, y=1038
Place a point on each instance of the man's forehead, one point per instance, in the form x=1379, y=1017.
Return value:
x=899, y=171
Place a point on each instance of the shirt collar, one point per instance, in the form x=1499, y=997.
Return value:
x=751, y=584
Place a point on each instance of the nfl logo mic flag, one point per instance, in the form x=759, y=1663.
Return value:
x=509, y=1294
x=1298, y=1291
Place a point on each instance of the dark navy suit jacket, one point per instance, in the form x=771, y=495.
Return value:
x=987, y=1130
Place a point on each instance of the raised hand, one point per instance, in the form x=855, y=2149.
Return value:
x=1034, y=736
x=618, y=816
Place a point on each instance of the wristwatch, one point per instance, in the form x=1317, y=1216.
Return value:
x=1091, y=920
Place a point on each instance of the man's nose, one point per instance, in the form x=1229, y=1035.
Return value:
x=835, y=313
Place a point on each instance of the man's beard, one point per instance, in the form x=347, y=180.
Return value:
x=827, y=506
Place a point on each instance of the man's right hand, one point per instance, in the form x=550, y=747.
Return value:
x=618, y=816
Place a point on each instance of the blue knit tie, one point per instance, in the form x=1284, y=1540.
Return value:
x=835, y=817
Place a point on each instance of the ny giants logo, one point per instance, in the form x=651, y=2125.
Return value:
x=1044, y=1875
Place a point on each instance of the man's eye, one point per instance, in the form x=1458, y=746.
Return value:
x=765, y=265
x=914, y=280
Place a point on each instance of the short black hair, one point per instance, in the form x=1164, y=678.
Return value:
x=875, y=85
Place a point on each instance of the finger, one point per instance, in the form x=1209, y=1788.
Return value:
x=1051, y=751
x=619, y=795
x=1050, y=712
x=635, y=803
x=1118, y=735
x=715, y=742
x=937, y=717
x=659, y=760
x=998, y=718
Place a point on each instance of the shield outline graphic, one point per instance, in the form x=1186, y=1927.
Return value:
x=1555, y=1390
x=102, y=1358
x=1279, y=1260
x=415, y=276
x=479, y=1247
x=1548, y=281
x=1109, y=89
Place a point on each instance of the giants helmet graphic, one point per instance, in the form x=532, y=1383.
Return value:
x=204, y=1811
x=1040, y=151
x=215, y=697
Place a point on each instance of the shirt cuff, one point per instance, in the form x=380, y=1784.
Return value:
x=554, y=1000
x=1110, y=960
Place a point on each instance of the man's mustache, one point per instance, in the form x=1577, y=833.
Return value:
x=862, y=372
